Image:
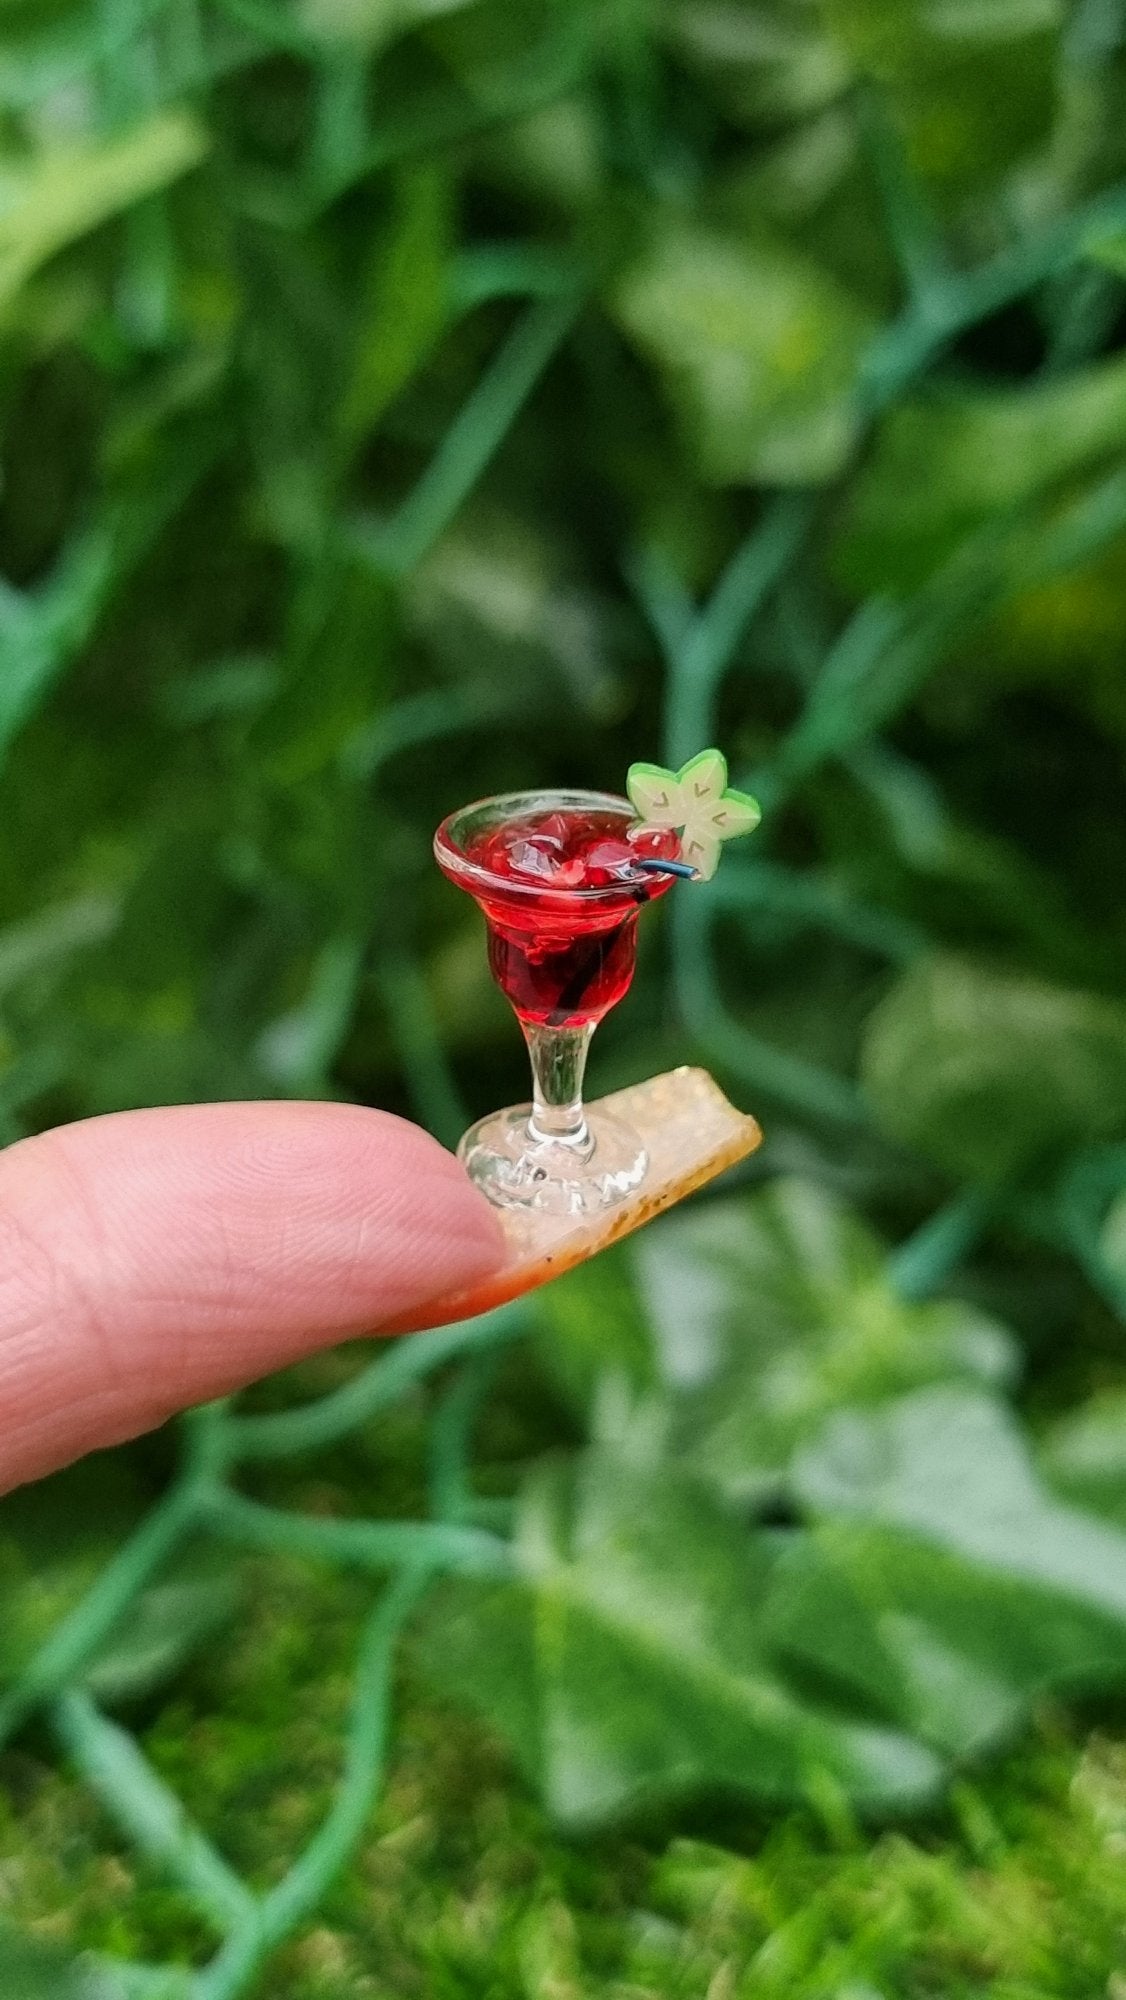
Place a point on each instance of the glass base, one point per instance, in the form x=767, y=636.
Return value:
x=518, y=1171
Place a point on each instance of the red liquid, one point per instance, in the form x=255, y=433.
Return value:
x=565, y=964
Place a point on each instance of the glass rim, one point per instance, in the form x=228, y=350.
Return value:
x=471, y=875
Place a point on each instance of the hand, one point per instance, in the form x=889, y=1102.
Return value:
x=153, y=1259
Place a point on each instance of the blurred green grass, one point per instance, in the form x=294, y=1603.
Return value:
x=400, y=402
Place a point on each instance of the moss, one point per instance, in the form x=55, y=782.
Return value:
x=65, y=1874
x=462, y=1889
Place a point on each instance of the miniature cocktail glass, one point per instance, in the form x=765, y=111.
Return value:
x=559, y=877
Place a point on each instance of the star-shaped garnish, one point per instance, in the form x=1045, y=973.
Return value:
x=697, y=802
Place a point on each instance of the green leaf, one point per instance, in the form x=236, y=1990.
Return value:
x=982, y=1589
x=1112, y=1239
x=335, y=673
x=1084, y=1455
x=947, y=463
x=953, y=1650
x=56, y=1539
x=971, y=84
x=949, y=1463
x=42, y=944
x=496, y=606
x=591, y=1324
x=56, y=1536
x=367, y=25
x=115, y=1979
x=171, y=1621
x=869, y=1612
x=771, y=63
x=988, y=1071
x=62, y=195
x=477, y=1642
x=32, y=1969
x=1107, y=247
x=405, y=303
x=649, y=1677
x=770, y=1310
x=758, y=348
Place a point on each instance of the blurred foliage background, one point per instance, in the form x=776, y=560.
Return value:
x=404, y=400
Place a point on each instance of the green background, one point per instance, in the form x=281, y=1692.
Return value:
x=405, y=400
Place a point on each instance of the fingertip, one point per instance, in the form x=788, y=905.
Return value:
x=158, y=1258
x=444, y=1225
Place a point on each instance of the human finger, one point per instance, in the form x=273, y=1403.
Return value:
x=153, y=1259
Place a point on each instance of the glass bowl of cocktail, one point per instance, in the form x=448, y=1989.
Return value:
x=561, y=877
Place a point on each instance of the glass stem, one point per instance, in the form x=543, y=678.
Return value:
x=558, y=1061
